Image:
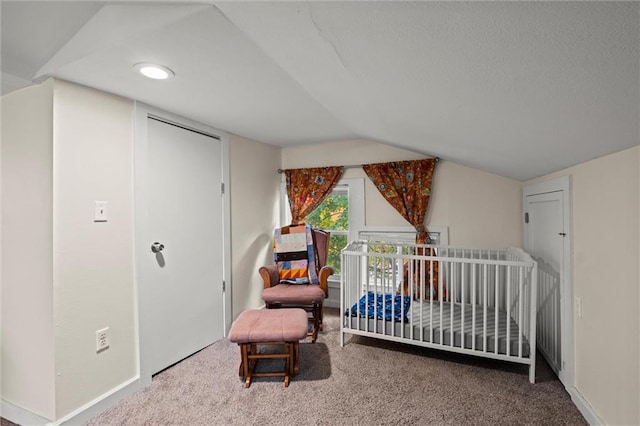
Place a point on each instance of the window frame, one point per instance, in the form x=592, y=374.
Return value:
x=394, y=234
x=355, y=188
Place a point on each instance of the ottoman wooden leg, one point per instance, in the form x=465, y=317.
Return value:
x=291, y=358
x=288, y=347
x=295, y=369
x=246, y=367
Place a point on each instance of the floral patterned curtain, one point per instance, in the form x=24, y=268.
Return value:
x=406, y=185
x=307, y=188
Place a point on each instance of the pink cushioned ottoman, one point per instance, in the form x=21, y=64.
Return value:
x=255, y=327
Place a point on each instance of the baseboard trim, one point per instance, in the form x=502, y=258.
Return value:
x=100, y=404
x=81, y=415
x=19, y=415
x=585, y=409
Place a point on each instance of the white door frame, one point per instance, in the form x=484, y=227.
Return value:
x=562, y=184
x=141, y=144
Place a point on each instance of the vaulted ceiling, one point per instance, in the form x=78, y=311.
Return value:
x=520, y=89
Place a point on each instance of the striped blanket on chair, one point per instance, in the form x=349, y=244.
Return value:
x=294, y=254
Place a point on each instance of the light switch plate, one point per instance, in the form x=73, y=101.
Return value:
x=100, y=211
x=578, y=301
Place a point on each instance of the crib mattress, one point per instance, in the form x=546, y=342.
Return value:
x=437, y=331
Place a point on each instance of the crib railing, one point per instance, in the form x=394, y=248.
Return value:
x=548, y=314
x=476, y=301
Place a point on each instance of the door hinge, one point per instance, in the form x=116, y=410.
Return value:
x=526, y=217
x=222, y=187
x=224, y=285
x=562, y=233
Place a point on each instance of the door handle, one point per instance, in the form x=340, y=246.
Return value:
x=157, y=247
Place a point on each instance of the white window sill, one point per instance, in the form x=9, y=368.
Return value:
x=333, y=281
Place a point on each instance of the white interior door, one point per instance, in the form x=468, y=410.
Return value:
x=183, y=297
x=546, y=233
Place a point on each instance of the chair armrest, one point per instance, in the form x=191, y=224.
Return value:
x=269, y=275
x=324, y=274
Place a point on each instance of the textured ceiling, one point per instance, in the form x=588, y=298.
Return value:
x=520, y=89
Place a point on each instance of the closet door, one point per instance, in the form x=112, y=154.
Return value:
x=547, y=240
x=182, y=263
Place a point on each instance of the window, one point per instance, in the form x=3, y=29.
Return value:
x=341, y=213
x=333, y=216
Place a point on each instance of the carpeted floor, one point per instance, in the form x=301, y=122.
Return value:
x=367, y=382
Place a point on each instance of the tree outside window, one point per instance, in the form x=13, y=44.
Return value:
x=333, y=216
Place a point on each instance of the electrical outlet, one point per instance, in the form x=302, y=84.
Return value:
x=103, y=338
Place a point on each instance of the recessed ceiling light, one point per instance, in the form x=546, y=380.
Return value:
x=157, y=72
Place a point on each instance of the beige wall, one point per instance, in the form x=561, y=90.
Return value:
x=606, y=250
x=93, y=262
x=254, y=186
x=28, y=371
x=479, y=208
x=65, y=276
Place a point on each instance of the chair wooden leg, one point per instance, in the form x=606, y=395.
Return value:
x=316, y=323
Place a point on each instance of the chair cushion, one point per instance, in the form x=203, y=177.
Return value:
x=296, y=294
x=269, y=325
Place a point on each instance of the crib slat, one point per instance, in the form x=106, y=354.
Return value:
x=421, y=293
x=447, y=272
x=520, y=313
x=473, y=307
x=452, y=307
x=384, y=305
x=485, y=301
x=366, y=303
x=462, y=302
x=496, y=311
x=533, y=303
x=508, y=310
x=431, y=292
x=343, y=285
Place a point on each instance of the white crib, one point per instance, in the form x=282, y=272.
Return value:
x=479, y=302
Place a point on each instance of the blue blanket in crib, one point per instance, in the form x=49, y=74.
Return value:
x=376, y=305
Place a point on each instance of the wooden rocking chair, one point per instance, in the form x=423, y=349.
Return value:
x=310, y=297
